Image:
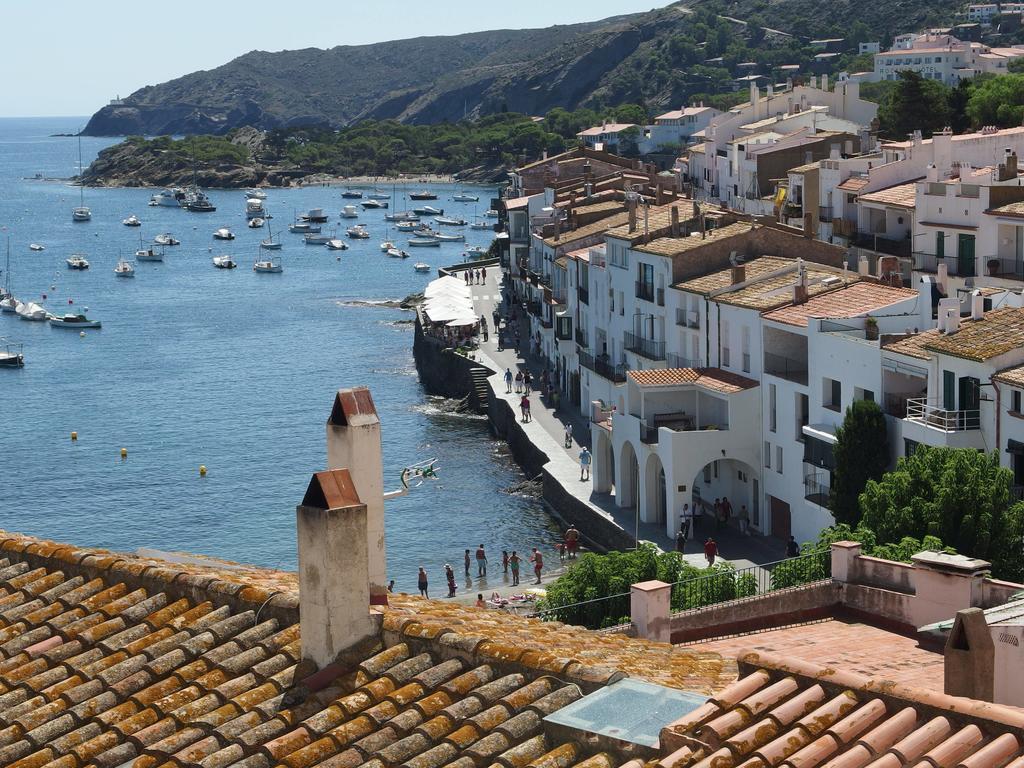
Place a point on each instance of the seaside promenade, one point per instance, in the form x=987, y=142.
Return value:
x=547, y=430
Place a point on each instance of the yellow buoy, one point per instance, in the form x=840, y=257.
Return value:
x=74, y=436
x=124, y=453
x=202, y=470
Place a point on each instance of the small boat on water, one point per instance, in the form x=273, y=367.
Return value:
x=223, y=234
x=270, y=244
x=148, y=254
x=373, y=204
x=36, y=247
x=198, y=202
x=73, y=320
x=352, y=194
x=387, y=245
x=132, y=221
x=450, y=221
x=406, y=226
x=490, y=213
x=302, y=227
x=166, y=239
x=254, y=208
x=378, y=194
x=428, y=210
x=422, y=195
x=465, y=197
x=168, y=198
x=421, y=266
x=271, y=265
x=314, y=216
x=124, y=269
x=256, y=223
x=9, y=304
x=358, y=232
x=476, y=251
x=81, y=212
x=445, y=238
x=397, y=253
x=350, y=212
x=224, y=262
x=312, y=238
x=481, y=225
x=335, y=244
x=31, y=311
x=12, y=354
x=75, y=261
x=258, y=194
x=401, y=216
x=424, y=242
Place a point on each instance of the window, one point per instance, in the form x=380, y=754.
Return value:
x=909, y=446
x=645, y=281
x=969, y=190
x=778, y=459
x=1015, y=401
x=773, y=421
x=724, y=335
x=940, y=244
x=767, y=455
x=936, y=189
x=803, y=416
x=863, y=394
x=745, y=341
x=831, y=394
x=707, y=473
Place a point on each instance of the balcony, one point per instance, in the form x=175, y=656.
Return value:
x=825, y=213
x=644, y=290
x=688, y=318
x=652, y=350
x=895, y=403
x=659, y=297
x=534, y=308
x=791, y=369
x=547, y=322
x=817, y=487
x=581, y=338
x=1004, y=267
x=880, y=244
x=602, y=367
x=564, y=332
x=583, y=295
x=678, y=361
x=923, y=411
x=844, y=227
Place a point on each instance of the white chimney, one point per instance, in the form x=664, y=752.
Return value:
x=953, y=319
x=863, y=266
x=945, y=306
x=754, y=94
x=977, y=305
x=932, y=173
x=824, y=82
x=353, y=443
x=334, y=595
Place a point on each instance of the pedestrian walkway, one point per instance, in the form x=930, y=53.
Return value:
x=547, y=430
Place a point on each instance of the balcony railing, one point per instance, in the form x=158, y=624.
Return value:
x=929, y=262
x=825, y=213
x=1008, y=266
x=648, y=434
x=817, y=487
x=844, y=227
x=881, y=244
x=581, y=337
x=602, y=367
x=534, y=308
x=644, y=290
x=923, y=411
x=652, y=350
x=678, y=361
x=583, y=294
x=785, y=367
x=547, y=322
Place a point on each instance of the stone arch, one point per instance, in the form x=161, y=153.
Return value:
x=604, y=461
x=655, y=496
x=627, y=477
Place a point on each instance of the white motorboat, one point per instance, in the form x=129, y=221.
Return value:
x=81, y=212
x=490, y=213
x=9, y=304
x=31, y=311
x=401, y=216
x=358, y=232
x=352, y=194
x=481, y=225
x=271, y=265
x=450, y=221
x=387, y=245
x=422, y=195
x=424, y=230
x=444, y=238
x=424, y=242
x=372, y=204
x=258, y=194
x=421, y=266
x=148, y=254
x=11, y=354
x=75, y=261
x=397, y=253
x=476, y=250
x=254, y=208
x=256, y=223
x=379, y=195
x=166, y=239
x=197, y=202
x=428, y=210
x=124, y=269
x=223, y=234
x=169, y=198
x=406, y=226
x=334, y=244
x=465, y=197
x=314, y=216
x=36, y=247
x=224, y=262
x=350, y=212
x=73, y=320
x=317, y=239
x=132, y=221
x=302, y=227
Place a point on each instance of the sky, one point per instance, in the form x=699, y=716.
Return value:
x=62, y=58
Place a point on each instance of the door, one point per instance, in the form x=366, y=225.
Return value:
x=948, y=391
x=965, y=255
x=970, y=402
x=781, y=527
x=755, y=505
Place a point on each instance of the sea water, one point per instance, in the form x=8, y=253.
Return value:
x=229, y=369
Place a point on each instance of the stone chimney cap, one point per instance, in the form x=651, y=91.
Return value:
x=354, y=408
x=332, y=489
x=942, y=561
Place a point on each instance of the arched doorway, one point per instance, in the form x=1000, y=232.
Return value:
x=604, y=462
x=736, y=481
x=654, y=491
x=626, y=490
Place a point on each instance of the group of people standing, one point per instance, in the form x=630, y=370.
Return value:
x=476, y=276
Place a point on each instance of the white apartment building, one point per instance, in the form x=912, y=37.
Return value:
x=605, y=136
x=983, y=12
x=944, y=58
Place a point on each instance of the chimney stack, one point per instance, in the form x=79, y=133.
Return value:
x=977, y=305
x=1008, y=168
x=739, y=270
x=969, y=657
x=632, y=216
x=334, y=590
x=675, y=221
x=942, y=278
x=863, y=266
x=800, y=287
x=353, y=443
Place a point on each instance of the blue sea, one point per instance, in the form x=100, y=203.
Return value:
x=229, y=369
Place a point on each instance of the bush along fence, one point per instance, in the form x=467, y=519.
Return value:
x=720, y=584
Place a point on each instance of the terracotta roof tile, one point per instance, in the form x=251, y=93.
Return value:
x=899, y=195
x=854, y=183
x=855, y=300
x=716, y=379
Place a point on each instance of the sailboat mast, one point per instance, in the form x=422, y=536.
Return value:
x=81, y=182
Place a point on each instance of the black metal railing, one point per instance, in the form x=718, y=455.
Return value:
x=599, y=613
x=816, y=488
x=648, y=433
x=547, y=322
x=649, y=348
x=533, y=307
x=729, y=585
x=602, y=367
x=581, y=337
x=881, y=244
x=564, y=332
x=678, y=361
x=785, y=367
x=644, y=290
x=825, y=213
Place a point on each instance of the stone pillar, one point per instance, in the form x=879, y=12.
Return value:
x=334, y=596
x=353, y=443
x=649, y=609
x=844, y=556
x=969, y=658
x=945, y=584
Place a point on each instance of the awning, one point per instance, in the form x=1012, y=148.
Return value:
x=1015, y=446
x=824, y=432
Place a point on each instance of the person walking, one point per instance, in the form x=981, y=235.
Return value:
x=483, y=275
x=585, y=458
x=519, y=382
x=421, y=581
x=513, y=563
x=481, y=561
x=685, y=520
x=466, y=277
x=466, y=558
x=527, y=379
x=744, y=520
x=572, y=541
x=524, y=407
x=561, y=551
x=504, y=561
x=538, y=563
x=508, y=380
x=726, y=511
x=710, y=551
x=568, y=434
x=681, y=540
x=449, y=575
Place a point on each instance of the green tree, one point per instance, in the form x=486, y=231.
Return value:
x=861, y=454
x=915, y=104
x=997, y=101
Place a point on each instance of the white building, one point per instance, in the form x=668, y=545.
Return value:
x=873, y=47
x=605, y=136
x=944, y=58
x=983, y=12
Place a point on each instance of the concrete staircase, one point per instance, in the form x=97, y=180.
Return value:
x=479, y=396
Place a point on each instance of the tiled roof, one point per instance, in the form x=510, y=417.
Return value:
x=673, y=246
x=597, y=130
x=588, y=230
x=1012, y=376
x=806, y=167
x=1010, y=209
x=765, y=293
x=854, y=183
x=658, y=218
x=912, y=346
x=1001, y=331
x=710, y=378
x=699, y=148
x=900, y=195
x=801, y=715
x=707, y=284
x=854, y=300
